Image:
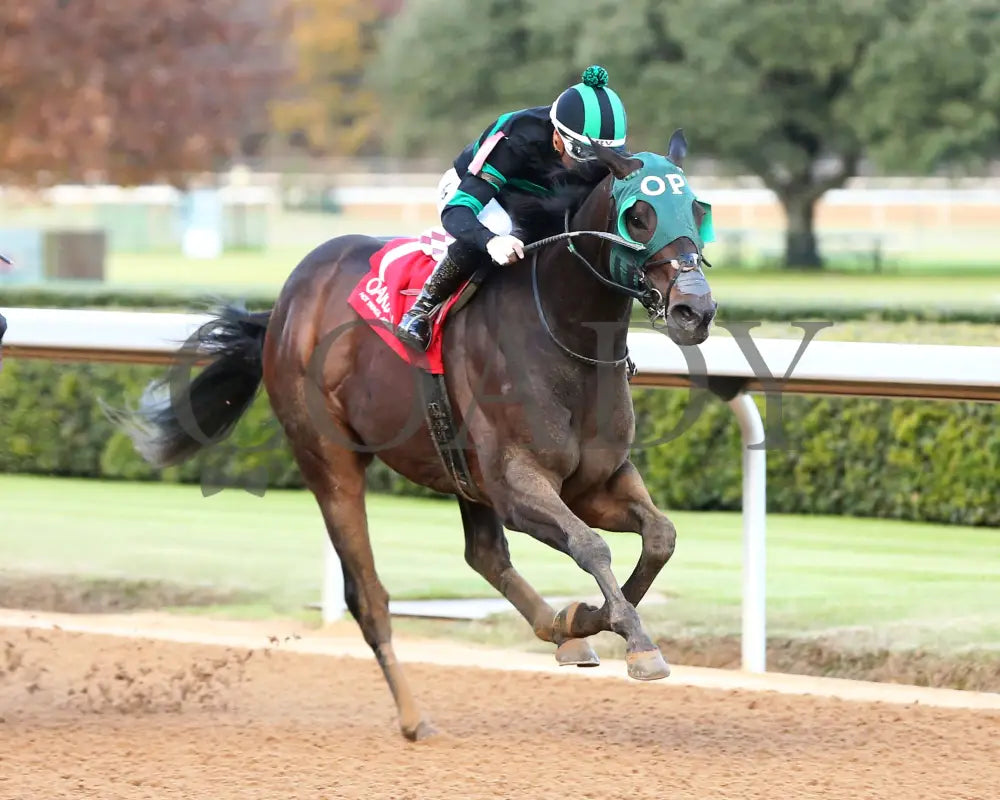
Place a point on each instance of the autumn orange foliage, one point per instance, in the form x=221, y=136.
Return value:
x=132, y=90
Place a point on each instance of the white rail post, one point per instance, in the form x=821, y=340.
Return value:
x=754, y=639
x=332, y=603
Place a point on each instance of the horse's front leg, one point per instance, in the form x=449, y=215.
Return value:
x=532, y=504
x=624, y=504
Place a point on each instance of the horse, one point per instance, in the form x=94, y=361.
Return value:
x=543, y=341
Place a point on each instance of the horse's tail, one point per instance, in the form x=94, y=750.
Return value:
x=177, y=416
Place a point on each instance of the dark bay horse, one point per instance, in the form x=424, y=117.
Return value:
x=536, y=371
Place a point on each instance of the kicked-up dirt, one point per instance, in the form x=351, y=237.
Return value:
x=975, y=670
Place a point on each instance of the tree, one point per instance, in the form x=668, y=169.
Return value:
x=932, y=86
x=131, y=90
x=766, y=86
x=330, y=109
x=445, y=69
x=795, y=91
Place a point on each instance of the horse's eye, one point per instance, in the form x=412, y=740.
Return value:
x=635, y=220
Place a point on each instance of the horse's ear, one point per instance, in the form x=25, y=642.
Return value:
x=621, y=166
x=677, y=149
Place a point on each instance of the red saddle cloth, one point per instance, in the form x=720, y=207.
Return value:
x=390, y=288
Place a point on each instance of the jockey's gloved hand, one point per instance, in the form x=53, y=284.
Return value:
x=505, y=249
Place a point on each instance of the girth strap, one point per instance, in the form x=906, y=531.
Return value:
x=441, y=423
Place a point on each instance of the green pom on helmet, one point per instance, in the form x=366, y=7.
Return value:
x=590, y=110
x=595, y=76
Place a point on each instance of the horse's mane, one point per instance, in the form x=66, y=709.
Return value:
x=536, y=216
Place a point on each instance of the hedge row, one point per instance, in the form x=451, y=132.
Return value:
x=104, y=297
x=902, y=459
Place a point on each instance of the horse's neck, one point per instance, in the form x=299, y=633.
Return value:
x=579, y=308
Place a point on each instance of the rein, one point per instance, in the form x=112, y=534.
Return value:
x=651, y=299
x=594, y=362
x=568, y=234
x=568, y=237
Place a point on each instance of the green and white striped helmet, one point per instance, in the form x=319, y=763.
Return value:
x=590, y=110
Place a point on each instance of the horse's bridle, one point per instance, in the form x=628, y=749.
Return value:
x=649, y=297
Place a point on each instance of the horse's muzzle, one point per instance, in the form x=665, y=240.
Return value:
x=690, y=319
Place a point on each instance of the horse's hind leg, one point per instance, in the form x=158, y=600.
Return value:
x=337, y=478
x=486, y=552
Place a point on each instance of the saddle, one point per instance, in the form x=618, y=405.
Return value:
x=398, y=272
x=387, y=291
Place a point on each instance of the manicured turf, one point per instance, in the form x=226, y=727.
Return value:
x=292, y=235
x=906, y=583
x=907, y=290
x=267, y=271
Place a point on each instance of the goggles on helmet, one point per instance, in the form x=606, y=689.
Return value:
x=577, y=146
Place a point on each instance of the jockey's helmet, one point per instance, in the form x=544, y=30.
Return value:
x=589, y=110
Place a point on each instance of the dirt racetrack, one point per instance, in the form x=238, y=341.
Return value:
x=89, y=716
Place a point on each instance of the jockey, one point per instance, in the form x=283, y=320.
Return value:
x=518, y=152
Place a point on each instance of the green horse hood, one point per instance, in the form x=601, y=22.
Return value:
x=663, y=185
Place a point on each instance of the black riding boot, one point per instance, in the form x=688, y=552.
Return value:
x=448, y=275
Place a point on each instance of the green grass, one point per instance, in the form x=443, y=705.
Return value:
x=949, y=290
x=293, y=234
x=267, y=271
x=247, y=271
x=910, y=332
x=969, y=274
x=900, y=583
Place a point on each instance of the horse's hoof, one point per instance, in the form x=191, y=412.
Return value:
x=577, y=653
x=649, y=665
x=422, y=732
